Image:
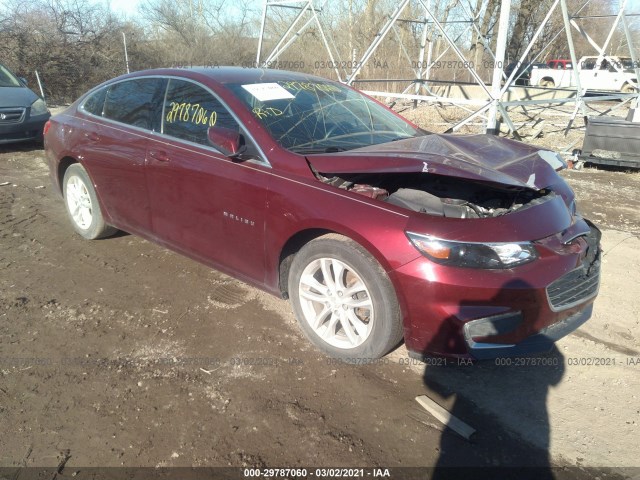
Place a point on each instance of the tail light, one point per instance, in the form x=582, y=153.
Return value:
x=46, y=127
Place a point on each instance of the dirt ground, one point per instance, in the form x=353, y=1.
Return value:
x=120, y=353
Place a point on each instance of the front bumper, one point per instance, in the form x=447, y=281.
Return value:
x=26, y=130
x=538, y=343
x=482, y=314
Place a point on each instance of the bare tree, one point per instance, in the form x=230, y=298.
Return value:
x=201, y=32
x=73, y=44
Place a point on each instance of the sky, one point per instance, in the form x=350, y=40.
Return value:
x=126, y=7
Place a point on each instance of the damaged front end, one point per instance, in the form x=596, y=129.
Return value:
x=507, y=266
x=438, y=195
x=445, y=176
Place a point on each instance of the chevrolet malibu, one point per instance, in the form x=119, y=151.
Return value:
x=374, y=229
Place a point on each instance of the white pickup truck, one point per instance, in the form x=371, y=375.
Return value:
x=608, y=73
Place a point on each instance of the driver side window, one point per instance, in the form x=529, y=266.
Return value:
x=189, y=111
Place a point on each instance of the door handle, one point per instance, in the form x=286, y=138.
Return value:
x=159, y=155
x=93, y=136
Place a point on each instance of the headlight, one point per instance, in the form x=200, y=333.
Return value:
x=38, y=108
x=474, y=255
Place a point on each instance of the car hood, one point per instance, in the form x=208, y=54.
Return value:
x=16, y=97
x=484, y=158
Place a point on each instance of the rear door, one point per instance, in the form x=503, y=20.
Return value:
x=202, y=202
x=116, y=130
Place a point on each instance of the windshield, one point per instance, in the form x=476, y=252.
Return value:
x=317, y=116
x=8, y=79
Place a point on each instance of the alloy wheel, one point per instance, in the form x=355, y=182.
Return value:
x=79, y=202
x=336, y=303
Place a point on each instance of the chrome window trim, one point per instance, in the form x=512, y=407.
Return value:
x=109, y=85
x=262, y=161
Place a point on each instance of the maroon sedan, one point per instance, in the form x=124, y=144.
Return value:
x=375, y=229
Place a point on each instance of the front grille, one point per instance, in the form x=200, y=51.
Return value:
x=11, y=115
x=575, y=287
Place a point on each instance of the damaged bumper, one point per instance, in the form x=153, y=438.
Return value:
x=484, y=314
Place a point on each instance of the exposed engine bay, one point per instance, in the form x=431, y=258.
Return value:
x=438, y=195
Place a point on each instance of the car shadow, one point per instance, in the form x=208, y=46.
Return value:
x=31, y=146
x=505, y=400
x=118, y=234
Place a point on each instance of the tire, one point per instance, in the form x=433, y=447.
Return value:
x=82, y=204
x=364, y=325
x=628, y=88
x=547, y=83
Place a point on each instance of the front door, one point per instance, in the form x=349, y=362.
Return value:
x=202, y=202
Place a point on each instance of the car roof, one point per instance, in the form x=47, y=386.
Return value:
x=225, y=75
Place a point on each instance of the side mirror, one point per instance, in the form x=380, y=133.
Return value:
x=229, y=142
x=24, y=80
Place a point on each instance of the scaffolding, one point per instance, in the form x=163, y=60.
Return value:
x=490, y=100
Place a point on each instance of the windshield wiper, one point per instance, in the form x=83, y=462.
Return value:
x=335, y=149
x=332, y=149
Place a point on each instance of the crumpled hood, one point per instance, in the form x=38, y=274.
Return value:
x=16, y=97
x=475, y=157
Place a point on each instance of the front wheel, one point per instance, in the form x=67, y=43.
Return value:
x=628, y=88
x=82, y=204
x=344, y=300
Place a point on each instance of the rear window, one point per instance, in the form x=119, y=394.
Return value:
x=95, y=102
x=133, y=102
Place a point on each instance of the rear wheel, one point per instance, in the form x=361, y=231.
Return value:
x=82, y=204
x=344, y=300
x=628, y=88
x=547, y=83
